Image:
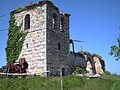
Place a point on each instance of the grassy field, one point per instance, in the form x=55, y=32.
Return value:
x=105, y=82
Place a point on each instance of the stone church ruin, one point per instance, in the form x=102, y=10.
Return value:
x=46, y=45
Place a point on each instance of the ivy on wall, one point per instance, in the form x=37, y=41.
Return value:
x=15, y=40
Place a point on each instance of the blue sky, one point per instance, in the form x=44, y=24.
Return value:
x=96, y=22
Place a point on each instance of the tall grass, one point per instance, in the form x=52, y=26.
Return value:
x=105, y=82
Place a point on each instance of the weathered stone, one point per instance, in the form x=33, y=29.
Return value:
x=98, y=65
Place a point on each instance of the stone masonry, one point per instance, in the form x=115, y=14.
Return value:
x=46, y=46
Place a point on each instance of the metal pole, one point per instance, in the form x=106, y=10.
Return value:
x=61, y=79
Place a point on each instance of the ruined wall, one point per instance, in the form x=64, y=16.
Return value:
x=98, y=66
x=89, y=66
x=95, y=63
x=77, y=60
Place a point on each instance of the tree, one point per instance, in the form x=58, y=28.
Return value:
x=115, y=50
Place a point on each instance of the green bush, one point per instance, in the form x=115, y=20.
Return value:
x=19, y=8
x=107, y=72
x=79, y=71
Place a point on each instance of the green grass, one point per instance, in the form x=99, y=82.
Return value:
x=105, y=82
x=117, y=86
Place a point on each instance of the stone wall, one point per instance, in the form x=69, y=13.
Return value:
x=34, y=47
x=57, y=42
x=98, y=65
x=77, y=60
x=94, y=62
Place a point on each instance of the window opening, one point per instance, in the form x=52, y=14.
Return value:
x=62, y=24
x=26, y=45
x=59, y=46
x=54, y=21
x=27, y=21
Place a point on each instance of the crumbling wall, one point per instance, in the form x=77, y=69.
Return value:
x=98, y=65
x=94, y=62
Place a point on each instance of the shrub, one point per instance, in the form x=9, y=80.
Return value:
x=107, y=72
x=79, y=71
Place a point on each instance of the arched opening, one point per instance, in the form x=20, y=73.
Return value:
x=71, y=42
x=54, y=21
x=27, y=22
x=61, y=24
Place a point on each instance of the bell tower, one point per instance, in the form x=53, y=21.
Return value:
x=57, y=39
x=46, y=45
